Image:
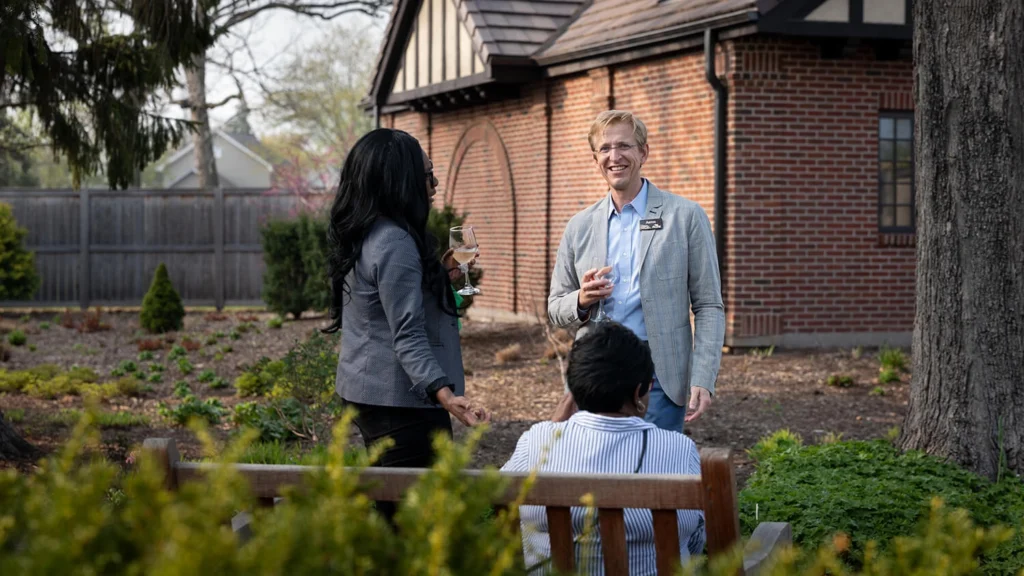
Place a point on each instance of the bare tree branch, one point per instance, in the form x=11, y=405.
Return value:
x=322, y=10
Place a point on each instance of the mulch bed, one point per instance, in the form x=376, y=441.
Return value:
x=757, y=393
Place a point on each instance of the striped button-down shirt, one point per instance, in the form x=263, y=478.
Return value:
x=589, y=443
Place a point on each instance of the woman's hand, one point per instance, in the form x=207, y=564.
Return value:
x=460, y=407
x=449, y=263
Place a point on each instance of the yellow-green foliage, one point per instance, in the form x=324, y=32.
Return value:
x=64, y=518
x=46, y=381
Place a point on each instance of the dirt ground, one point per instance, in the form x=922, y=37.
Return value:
x=758, y=392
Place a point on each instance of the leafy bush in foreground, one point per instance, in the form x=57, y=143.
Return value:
x=77, y=515
x=872, y=492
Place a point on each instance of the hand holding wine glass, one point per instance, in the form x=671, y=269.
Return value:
x=462, y=241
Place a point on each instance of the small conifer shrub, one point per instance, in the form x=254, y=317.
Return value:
x=162, y=310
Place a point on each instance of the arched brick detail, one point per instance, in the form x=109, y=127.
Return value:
x=492, y=210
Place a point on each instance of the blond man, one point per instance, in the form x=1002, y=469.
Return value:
x=644, y=258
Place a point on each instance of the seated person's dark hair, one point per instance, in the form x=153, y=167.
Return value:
x=605, y=367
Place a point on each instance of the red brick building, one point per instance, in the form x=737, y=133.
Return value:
x=789, y=121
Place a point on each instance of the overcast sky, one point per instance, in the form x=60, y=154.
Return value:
x=274, y=37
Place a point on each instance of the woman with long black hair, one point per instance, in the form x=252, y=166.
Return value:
x=401, y=360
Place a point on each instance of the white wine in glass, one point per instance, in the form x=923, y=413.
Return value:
x=462, y=241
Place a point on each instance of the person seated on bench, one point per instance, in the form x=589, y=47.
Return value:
x=609, y=376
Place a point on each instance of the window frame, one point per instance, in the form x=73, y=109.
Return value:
x=895, y=116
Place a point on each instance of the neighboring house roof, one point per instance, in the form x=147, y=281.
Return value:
x=519, y=41
x=232, y=139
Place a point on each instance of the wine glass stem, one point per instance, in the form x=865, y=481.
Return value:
x=465, y=274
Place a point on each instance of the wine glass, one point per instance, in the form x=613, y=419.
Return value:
x=462, y=241
x=613, y=277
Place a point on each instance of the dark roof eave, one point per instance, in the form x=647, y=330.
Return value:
x=662, y=36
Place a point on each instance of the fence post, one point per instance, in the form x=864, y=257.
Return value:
x=218, y=247
x=84, y=274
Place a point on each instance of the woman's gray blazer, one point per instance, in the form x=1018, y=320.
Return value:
x=395, y=339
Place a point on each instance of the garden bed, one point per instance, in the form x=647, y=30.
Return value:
x=758, y=392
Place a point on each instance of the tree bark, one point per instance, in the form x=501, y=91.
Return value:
x=202, y=135
x=12, y=446
x=967, y=395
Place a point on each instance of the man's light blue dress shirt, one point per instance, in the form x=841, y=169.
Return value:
x=624, y=305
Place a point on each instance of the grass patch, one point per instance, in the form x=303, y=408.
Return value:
x=15, y=415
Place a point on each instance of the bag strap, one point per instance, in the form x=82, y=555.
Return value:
x=643, y=452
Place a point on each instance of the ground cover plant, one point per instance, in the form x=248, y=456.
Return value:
x=871, y=492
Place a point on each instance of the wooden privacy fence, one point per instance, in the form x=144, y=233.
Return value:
x=101, y=247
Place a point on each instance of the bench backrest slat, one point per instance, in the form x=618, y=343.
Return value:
x=666, y=540
x=613, y=540
x=563, y=552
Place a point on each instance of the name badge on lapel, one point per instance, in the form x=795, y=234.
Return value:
x=651, y=224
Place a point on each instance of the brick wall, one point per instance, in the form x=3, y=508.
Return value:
x=669, y=94
x=803, y=253
x=805, y=262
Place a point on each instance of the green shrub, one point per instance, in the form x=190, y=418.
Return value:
x=872, y=492
x=14, y=382
x=181, y=389
x=18, y=277
x=218, y=383
x=155, y=378
x=156, y=367
x=17, y=338
x=177, y=352
x=888, y=376
x=281, y=453
x=83, y=374
x=44, y=325
x=210, y=410
x=52, y=388
x=184, y=366
x=145, y=356
x=275, y=323
x=285, y=276
x=206, y=376
x=893, y=359
x=259, y=379
x=162, y=310
x=272, y=426
x=32, y=348
x=128, y=366
x=839, y=381
x=117, y=372
x=313, y=242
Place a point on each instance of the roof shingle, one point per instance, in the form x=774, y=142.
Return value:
x=515, y=27
x=612, y=21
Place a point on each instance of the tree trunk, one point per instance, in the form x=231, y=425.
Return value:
x=12, y=446
x=202, y=135
x=967, y=396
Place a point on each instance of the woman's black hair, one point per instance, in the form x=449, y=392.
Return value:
x=605, y=367
x=383, y=176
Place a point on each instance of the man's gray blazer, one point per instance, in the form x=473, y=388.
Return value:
x=395, y=338
x=678, y=270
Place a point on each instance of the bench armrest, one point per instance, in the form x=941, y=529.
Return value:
x=768, y=538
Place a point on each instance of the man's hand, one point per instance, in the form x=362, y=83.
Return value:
x=460, y=407
x=700, y=401
x=565, y=409
x=595, y=287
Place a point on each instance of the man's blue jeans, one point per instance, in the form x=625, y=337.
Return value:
x=662, y=411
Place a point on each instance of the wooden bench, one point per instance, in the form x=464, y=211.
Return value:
x=714, y=491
